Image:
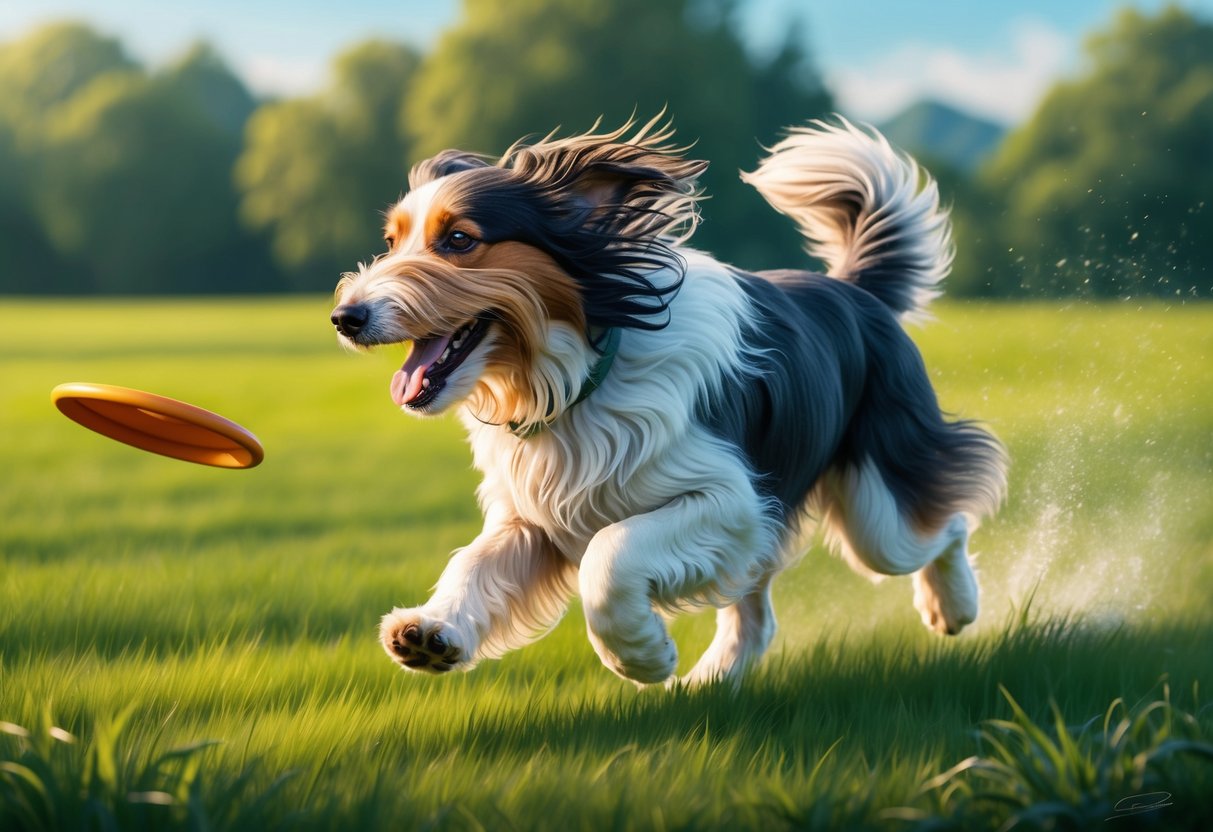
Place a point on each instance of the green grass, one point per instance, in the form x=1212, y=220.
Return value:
x=149, y=605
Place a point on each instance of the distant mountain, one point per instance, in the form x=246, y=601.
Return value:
x=937, y=131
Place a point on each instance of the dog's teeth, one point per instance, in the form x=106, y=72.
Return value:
x=425, y=383
x=445, y=354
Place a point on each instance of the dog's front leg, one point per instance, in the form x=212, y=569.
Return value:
x=506, y=588
x=700, y=547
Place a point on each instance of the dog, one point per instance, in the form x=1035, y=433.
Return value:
x=657, y=429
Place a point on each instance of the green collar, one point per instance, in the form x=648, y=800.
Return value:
x=598, y=373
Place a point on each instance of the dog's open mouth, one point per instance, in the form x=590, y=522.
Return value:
x=431, y=362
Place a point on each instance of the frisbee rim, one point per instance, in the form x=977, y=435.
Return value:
x=72, y=399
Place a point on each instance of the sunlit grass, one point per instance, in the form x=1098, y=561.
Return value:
x=878, y=721
x=241, y=607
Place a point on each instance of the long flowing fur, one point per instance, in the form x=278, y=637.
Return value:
x=869, y=213
x=738, y=403
x=608, y=207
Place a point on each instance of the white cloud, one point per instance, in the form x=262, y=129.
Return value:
x=1005, y=85
x=275, y=75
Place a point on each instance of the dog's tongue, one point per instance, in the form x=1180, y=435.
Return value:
x=406, y=383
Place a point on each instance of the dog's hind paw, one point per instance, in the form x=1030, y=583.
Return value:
x=945, y=594
x=416, y=642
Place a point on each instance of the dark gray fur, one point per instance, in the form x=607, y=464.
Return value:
x=835, y=381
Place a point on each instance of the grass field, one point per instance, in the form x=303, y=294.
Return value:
x=148, y=606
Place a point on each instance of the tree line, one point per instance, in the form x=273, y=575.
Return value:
x=118, y=179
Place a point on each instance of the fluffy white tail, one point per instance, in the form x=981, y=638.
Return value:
x=868, y=212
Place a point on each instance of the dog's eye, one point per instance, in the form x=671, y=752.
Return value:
x=391, y=241
x=458, y=241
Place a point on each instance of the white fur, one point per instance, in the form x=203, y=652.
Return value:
x=743, y=632
x=417, y=203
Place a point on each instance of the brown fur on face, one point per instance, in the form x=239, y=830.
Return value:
x=511, y=358
x=439, y=223
x=518, y=286
x=397, y=227
x=556, y=291
x=436, y=289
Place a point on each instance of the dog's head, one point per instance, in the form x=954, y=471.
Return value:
x=503, y=274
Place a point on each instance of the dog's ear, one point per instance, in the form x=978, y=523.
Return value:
x=636, y=186
x=444, y=164
x=611, y=208
x=648, y=181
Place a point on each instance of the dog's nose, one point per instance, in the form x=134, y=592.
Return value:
x=351, y=319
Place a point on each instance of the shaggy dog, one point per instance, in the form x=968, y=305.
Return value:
x=654, y=426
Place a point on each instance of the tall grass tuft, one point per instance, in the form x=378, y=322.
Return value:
x=1130, y=763
x=50, y=780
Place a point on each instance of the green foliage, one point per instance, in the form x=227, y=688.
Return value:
x=511, y=70
x=317, y=172
x=973, y=212
x=50, y=65
x=116, y=179
x=135, y=179
x=122, y=179
x=1107, y=187
x=202, y=79
x=24, y=249
x=37, y=74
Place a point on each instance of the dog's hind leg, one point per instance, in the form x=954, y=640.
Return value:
x=743, y=633
x=945, y=590
x=865, y=524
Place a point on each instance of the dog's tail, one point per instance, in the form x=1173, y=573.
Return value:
x=868, y=212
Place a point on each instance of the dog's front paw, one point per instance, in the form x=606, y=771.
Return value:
x=417, y=642
x=645, y=653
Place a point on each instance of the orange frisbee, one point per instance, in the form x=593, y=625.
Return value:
x=159, y=424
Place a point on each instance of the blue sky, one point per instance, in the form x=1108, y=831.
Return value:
x=993, y=58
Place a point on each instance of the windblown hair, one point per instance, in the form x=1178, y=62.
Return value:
x=608, y=207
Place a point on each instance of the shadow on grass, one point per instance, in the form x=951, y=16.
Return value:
x=911, y=711
x=876, y=695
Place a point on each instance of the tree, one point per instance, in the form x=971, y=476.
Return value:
x=974, y=211
x=27, y=259
x=1107, y=187
x=527, y=67
x=50, y=65
x=317, y=173
x=116, y=180
x=221, y=98
x=134, y=180
x=37, y=74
